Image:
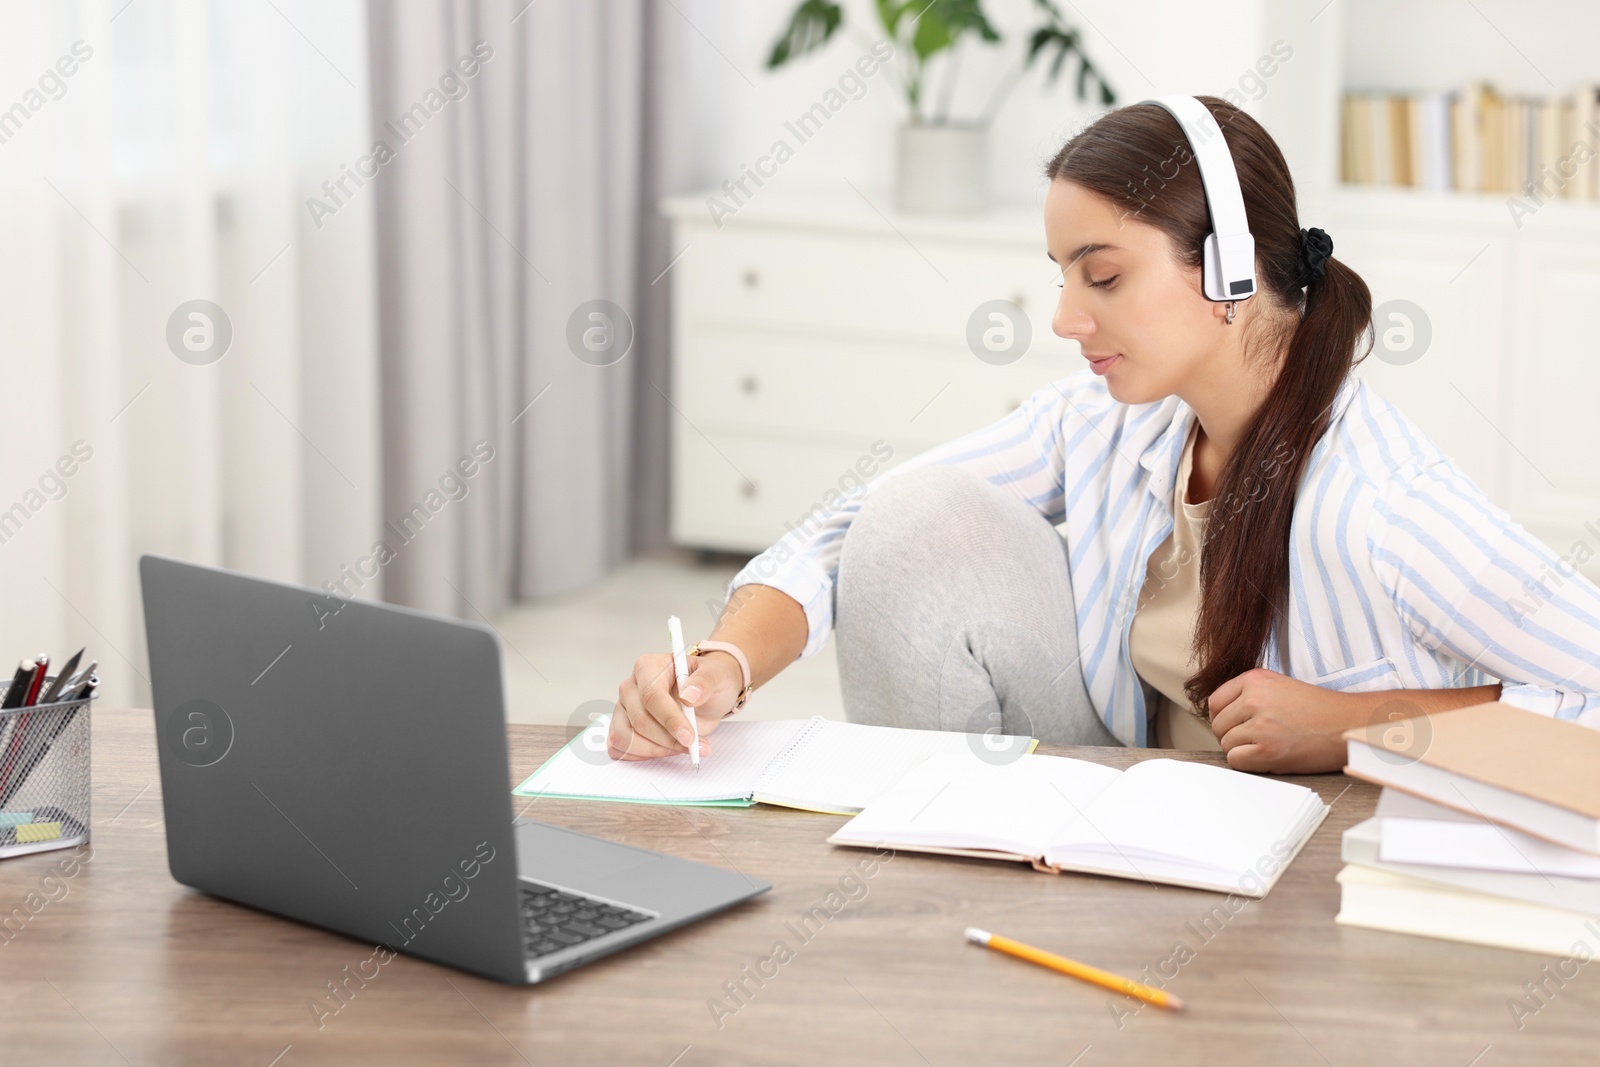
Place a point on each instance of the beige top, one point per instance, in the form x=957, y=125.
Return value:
x=1161, y=639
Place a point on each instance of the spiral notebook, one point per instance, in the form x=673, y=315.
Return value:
x=814, y=764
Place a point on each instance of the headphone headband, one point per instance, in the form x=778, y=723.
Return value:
x=1229, y=257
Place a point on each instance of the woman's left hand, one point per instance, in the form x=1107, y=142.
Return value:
x=1266, y=721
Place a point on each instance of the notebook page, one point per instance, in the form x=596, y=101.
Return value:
x=739, y=753
x=844, y=766
x=956, y=801
x=1191, y=815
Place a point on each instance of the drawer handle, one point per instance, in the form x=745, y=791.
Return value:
x=748, y=383
x=748, y=490
x=751, y=279
x=1020, y=299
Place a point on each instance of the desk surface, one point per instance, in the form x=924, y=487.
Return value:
x=119, y=964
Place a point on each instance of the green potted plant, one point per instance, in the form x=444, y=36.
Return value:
x=942, y=162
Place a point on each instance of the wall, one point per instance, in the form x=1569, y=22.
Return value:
x=1525, y=46
x=739, y=107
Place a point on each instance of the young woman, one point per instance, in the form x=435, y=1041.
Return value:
x=1255, y=552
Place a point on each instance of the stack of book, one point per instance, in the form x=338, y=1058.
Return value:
x=1474, y=140
x=1487, y=831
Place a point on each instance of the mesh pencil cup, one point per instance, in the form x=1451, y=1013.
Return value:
x=44, y=777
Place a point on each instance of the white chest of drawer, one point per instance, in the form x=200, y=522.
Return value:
x=817, y=342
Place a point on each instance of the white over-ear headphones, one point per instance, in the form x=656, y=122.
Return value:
x=1228, y=260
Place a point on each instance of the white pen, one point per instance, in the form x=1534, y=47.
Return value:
x=680, y=663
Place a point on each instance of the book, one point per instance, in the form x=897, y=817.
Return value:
x=1524, y=129
x=1362, y=844
x=1161, y=820
x=1588, y=120
x=1396, y=151
x=1551, y=115
x=1498, y=762
x=1409, y=135
x=1382, y=141
x=1493, y=111
x=814, y=764
x=1349, y=150
x=1434, y=146
x=1586, y=128
x=1360, y=138
x=1582, y=115
x=1466, y=128
x=1384, y=900
x=1420, y=831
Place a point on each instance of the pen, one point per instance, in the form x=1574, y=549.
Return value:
x=78, y=679
x=62, y=676
x=19, y=736
x=82, y=690
x=1104, y=979
x=18, y=690
x=680, y=663
x=36, y=683
x=16, y=693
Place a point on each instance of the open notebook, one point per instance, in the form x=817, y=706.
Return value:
x=816, y=764
x=1161, y=820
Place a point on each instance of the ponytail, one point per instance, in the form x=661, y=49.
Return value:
x=1244, y=565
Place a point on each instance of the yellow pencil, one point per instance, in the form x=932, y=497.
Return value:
x=1105, y=979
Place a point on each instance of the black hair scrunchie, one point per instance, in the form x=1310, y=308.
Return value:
x=1315, y=249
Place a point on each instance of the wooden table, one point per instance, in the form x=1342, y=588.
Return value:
x=118, y=964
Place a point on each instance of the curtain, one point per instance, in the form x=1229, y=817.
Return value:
x=156, y=159
x=523, y=342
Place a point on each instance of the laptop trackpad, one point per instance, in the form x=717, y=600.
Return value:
x=564, y=857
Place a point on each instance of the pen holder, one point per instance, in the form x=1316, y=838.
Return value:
x=44, y=777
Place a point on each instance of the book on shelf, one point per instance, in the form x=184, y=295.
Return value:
x=1474, y=139
x=1431, y=149
x=1401, y=112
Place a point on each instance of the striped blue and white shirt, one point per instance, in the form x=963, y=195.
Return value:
x=1402, y=573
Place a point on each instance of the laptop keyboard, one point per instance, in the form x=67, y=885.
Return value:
x=553, y=920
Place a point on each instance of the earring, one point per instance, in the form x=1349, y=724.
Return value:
x=1230, y=312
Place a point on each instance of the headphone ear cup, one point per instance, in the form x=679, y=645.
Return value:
x=1211, y=283
x=1214, y=280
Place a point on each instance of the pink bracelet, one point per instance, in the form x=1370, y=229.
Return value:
x=702, y=647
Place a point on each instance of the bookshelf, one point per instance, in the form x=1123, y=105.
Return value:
x=1475, y=139
x=1468, y=97
x=1487, y=95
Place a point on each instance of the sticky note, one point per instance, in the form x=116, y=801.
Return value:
x=15, y=818
x=38, y=831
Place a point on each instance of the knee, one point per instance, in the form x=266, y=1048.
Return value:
x=921, y=507
x=932, y=509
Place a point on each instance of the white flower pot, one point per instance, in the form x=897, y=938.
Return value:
x=943, y=169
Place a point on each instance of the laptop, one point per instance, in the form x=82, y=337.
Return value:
x=343, y=763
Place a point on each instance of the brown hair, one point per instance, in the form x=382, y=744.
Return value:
x=1138, y=158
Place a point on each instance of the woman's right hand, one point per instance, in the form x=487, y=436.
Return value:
x=648, y=722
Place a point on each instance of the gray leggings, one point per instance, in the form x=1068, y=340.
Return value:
x=954, y=611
